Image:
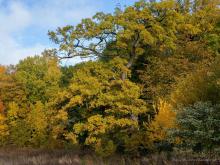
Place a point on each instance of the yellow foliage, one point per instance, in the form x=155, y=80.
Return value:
x=164, y=120
x=72, y=137
x=2, y=108
x=105, y=150
x=4, y=132
x=13, y=113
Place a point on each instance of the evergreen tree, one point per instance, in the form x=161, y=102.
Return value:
x=199, y=126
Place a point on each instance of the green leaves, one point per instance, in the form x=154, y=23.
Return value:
x=39, y=76
x=199, y=123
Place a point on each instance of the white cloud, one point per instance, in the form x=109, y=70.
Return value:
x=13, y=19
x=11, y=51
x=16, y=16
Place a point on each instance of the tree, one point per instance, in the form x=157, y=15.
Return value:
x=125, y=33
x=10, y=89
x=158, y=49
x=19, y=130
x=100, y=107
x=164, y=120
x=196, y=98
x=202, y=85
x=37, y=119
x=39, y=76
x=3, y=125
x=199, y=125
x=34, y=82
x=67, y=75
x=28, y=125
x=196, y=47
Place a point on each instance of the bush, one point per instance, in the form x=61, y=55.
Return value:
x=199, y=126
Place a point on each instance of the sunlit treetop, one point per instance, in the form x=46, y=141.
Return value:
x=128, y=33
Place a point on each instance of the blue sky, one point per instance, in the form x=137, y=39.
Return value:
x=24, y=23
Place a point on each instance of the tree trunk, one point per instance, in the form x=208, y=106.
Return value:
x=124, y=77
x=129, y=65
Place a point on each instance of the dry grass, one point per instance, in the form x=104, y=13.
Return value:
x=67, y=157
x=70, y=157
x=38, y=157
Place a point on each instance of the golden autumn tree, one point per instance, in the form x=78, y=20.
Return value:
x=165, y=119
x=125, y=33
x=100, y=108
x=171, y=36
x=10, y=89
x=197, y=45
x=3, y=124
x=28, y=125
x=37, y=119
x=26, y=90
x=18, y=128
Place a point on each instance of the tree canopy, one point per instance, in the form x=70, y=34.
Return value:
x=152, y=85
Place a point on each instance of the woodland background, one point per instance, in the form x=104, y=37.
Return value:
x=153, y=85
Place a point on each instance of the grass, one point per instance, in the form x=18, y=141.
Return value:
x=11, y=156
